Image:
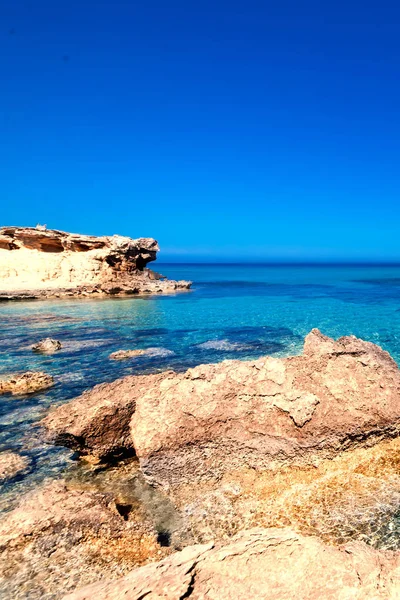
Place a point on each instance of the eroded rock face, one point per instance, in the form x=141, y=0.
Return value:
x=37, y=263
x=47, y=346
x=58, y=538
x=21, y=384
x=260, y=564
x=266, y=412
x=98, y=422
x=11, y=465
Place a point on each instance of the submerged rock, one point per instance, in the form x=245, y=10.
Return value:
x=21, y=384
x=124, y=354
x=260, y=564
x=37, y=263
x=11, y=465
x=47, y=346
x=59, y=538
x=97, y=422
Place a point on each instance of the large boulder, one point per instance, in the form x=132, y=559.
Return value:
x=260, y=564
x=59, y=538
x=22, y=384
x=267, y=412
x=44, y=263
x=97, y=423
x=257, y=414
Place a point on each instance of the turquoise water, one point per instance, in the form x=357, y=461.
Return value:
x=233, y=311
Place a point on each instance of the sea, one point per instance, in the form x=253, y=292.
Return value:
x=233, y=311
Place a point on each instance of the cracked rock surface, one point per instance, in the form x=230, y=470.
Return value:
x=261, y=564
x=258, y=414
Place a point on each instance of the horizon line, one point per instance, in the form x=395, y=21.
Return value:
x=366, y=263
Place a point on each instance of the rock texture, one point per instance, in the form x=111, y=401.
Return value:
x=97, y=423
x=21, y=384
x=268, y=412
x=47, y=346
x=40, y=263
x=11, y=465
x=257, y=414
x=59, y=538
x=260, y=564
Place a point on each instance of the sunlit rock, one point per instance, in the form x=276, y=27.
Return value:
x=21, y=384
x=37, y=263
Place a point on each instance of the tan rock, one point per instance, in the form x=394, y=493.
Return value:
x=47, y=346
x=124, y=354
x=256, y=414
x=97, y=422
x=58, y=538
x=21, y=384
x=11, y=465
x=261, y=564
x=268, y=412
x=37, y=263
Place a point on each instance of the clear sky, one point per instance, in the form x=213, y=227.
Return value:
x=227, y=130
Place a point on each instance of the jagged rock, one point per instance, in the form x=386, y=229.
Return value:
x=124, y=354
x=37, y=263
x=97, y=422
x=267, y=412
x=260, y=564
x=59, y=538
x=11, y=465
x=47, y=346
x=258, y=414
x=21, y=384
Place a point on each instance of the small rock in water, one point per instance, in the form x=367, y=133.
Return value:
x=123, y=354
x=20, y=384
x=11, y=465
x=47, y=346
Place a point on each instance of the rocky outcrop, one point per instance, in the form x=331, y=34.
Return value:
x=47, y=346
x=260, y=564
x=97, y=423
x=267, y=412
x=21, y=384
x=11, y=465
x=59, y=538
x=40, y=263
x=256, y=414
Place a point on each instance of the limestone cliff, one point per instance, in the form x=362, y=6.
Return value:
x=40, y=263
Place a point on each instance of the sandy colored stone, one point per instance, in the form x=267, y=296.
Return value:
x=40, y=263
x=257, y=414
x=21, y=384
x=124, y=354
x=11, y=465
x=268, y=412
x=97, y=422
x=59, y=538
x=261, y=564
x=47, y=346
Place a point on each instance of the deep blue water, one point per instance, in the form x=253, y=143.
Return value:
x=233, y=311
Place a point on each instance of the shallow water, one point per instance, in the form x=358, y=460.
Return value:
x=233, y=311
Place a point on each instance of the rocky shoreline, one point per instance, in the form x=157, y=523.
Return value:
x=242, y=479
x=37, y=264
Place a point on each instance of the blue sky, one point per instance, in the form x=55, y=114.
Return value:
x=226, y=130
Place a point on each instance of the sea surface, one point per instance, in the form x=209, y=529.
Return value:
x=232, y=311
